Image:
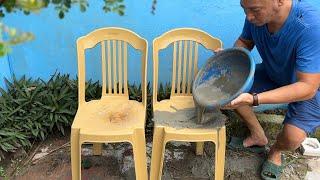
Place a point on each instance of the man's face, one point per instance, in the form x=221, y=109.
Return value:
x=259, y=12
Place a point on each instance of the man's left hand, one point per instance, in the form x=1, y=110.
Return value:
x=241, y=100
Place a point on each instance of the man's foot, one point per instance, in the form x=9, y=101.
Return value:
x=274, y=157
x=272, y=168
x=255, y=141
x=236, y=143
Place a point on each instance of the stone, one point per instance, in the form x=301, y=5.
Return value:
x=86, y=151
x=166, y=175
x=202, y=167
x=314, y=164
x=310, y=147
x=39, y=156
x=312, y=175
x=130, y=174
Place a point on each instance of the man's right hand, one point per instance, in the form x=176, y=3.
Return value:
x=217, y=50
x=240, y=42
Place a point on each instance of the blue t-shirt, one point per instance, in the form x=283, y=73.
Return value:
x=295, y=47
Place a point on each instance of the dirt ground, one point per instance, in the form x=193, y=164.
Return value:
x=51, y=160
x=117, y=163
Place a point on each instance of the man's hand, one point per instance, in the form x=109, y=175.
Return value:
x=241, y=100
x=217, y=50
x=248, y=44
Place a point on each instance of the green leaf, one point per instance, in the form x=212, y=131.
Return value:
x=121, y=13
x=82, y=8
x=6, y=133
x=61, y=14
x=66, y=111
x=42, y=135
x=122, y=7
x=56, y=1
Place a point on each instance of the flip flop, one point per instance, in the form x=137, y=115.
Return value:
x=236, y=143
x=271, y=171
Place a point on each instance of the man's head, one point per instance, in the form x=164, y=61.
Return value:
x=260, y=12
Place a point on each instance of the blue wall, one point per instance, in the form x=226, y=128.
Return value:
x=5, y=71
x=54, y=47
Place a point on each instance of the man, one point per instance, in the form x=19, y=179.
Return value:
x=287, y=36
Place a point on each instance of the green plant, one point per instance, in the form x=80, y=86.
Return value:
x=149, y=122
x=114, y=6
x=93, y=90
x=164, y=91
x=32, y=109
x=40, y=106
x=2, y=172
x=14, y=104
x=58, y=104
x=135, y=92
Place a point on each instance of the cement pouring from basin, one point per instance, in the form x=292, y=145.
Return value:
x=223, y=77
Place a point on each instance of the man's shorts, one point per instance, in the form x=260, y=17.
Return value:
x=302, y=114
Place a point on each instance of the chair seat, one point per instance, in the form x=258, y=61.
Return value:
x=110, y=116
x=179, y=115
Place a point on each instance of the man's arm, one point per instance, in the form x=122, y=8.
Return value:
x=244, y=43
x=305, y=88
x=240, y=42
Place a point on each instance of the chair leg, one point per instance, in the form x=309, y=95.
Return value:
x=220, y=154
x=75, y=155
x=158, y=150
x=140, y=154
x=97, y=149
x=199, y=148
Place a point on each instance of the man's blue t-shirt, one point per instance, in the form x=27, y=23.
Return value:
x=295, y=47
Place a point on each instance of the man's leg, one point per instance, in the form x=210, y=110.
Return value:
x=289, y=139
x=257, y=135
x=261, y=83
x=302, y=117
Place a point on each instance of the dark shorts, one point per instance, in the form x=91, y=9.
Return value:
x=302, y=114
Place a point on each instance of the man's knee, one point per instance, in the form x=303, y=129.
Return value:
x=291, y=137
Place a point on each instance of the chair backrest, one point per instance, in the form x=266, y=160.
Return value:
x=185, y=41
x=114, y=46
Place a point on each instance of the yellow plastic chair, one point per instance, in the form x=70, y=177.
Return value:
x=185, y=41
x=113, y=118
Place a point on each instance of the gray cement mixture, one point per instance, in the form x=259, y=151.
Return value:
x=207, y=93
x=187, y=118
